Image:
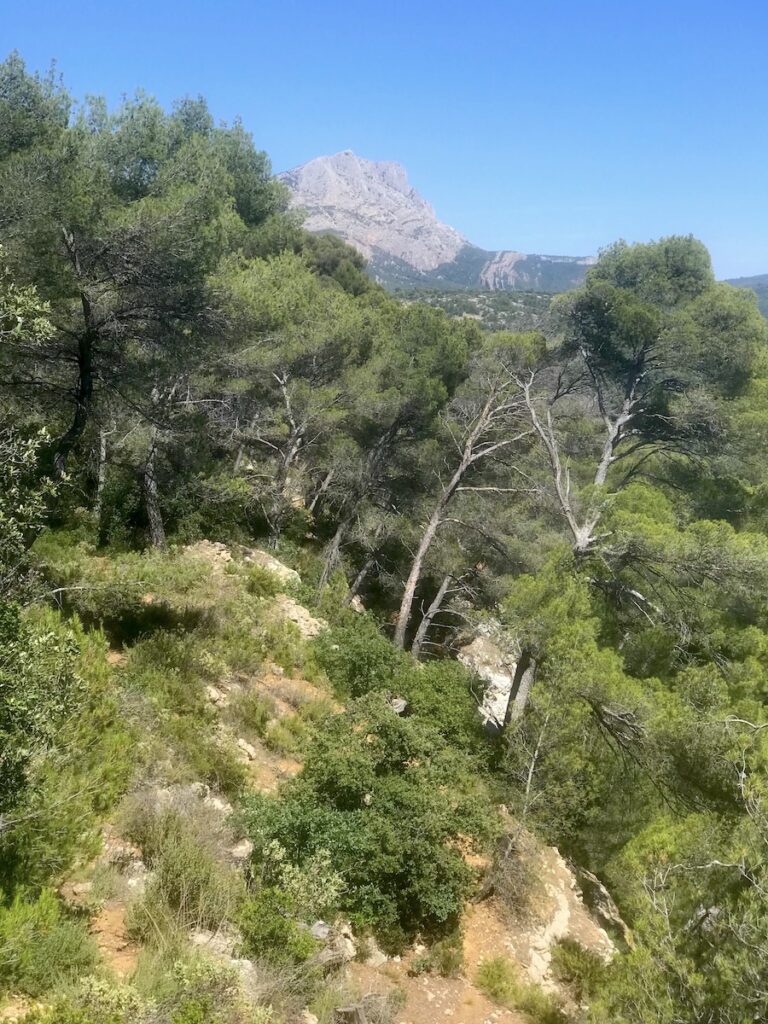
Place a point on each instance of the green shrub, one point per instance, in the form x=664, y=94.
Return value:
x=253, y=712
x=40, y=946
x=209, y=758
x=441, y=691
x=284, y=645
x=287, y=736
x=498, y=979
x=261, y=583
x=357, y=658
x=83, y=761
x=315, y=888
x=181, y=991
x=389, y=801
x=447, y=956
x=292, y=734
x=39, y=692
x=582, y=970
x=269, y=930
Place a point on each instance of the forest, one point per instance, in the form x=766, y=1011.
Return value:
x=208, y=415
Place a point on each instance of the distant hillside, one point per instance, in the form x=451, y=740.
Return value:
x=495, y=310
x=759, y=285
x=373, y=207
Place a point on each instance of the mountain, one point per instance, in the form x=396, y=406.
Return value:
x=372, y=206
x=759, y=285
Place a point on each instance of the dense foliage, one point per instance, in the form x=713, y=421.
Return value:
x=179, y=360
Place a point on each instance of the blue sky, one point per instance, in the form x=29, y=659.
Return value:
x=552, y=126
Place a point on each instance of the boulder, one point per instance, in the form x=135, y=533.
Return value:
x=248, y=749
x=398, y=705
x=284, y=575
x=241, y=852
x=491, y=660
x=219, y=943
x=306, y=624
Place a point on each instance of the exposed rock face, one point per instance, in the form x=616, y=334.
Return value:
x=296, y=613
x=557, y=912
x=372, y=206
x=495, y=665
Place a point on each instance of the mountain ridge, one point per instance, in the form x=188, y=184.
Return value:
x=373, y=206
x=758, y=283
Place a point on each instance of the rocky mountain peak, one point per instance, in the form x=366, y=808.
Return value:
x=372, y=205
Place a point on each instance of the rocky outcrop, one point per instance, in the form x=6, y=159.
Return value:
x=296, y=613
x=372, y=205
x=285, y=576
x=493, y=660
x=556, y=911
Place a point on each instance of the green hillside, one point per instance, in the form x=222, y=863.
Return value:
x=364, y=658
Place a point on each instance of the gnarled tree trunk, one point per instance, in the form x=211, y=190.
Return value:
x=151, y=499
x=525, y=674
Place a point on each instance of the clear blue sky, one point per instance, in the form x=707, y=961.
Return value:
x=549, y=126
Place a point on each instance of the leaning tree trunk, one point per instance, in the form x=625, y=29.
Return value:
x=525, y=674
x=435, y=521
x=83, y=402
x=333, y=550
x=469, y=456
x=415, y=574
x=359, y=579
x=431, y=612
x=326, y=483
x=332, y=554
x=151, y=499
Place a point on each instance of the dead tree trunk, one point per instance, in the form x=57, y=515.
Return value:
x=357, y=582
x=326, y=483
x=151, y=499
x=417, y=566
x=332, y=552
x=101, y=474
x=429, y=614
x=497, y=409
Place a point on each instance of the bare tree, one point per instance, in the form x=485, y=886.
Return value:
x=487, y=420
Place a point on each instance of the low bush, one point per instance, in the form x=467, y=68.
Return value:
x=181, y=991
x=442, y=692
x=392, y=804
x=66, y=751
x=41, y=947
x=447, y=956
x=253, y=712
x=498, y=979
x=189, y=886
x=357, y=658
x=261, y=583
x=579, y=968
x=208, y=758
x=292, y=734
x=270, y=930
